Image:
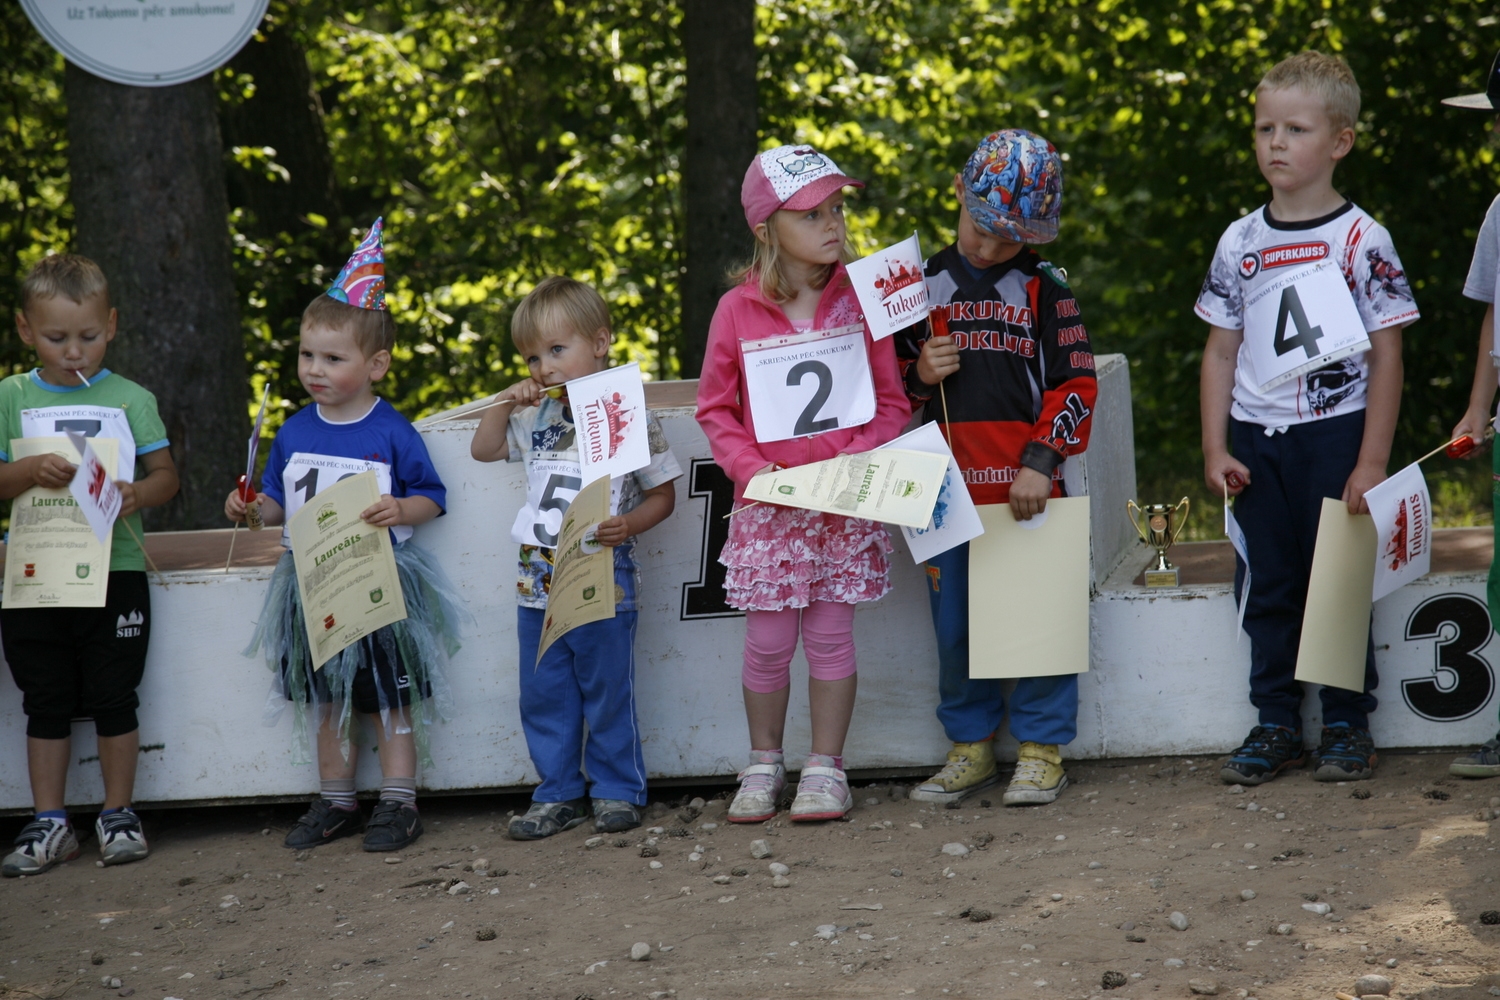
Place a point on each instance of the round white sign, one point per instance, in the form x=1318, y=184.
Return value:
x=146, y=43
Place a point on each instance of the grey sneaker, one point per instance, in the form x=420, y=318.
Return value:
x=41, y=844
x=1484, y=762
x=121, y=839
x=615, y=815
x=544, y=819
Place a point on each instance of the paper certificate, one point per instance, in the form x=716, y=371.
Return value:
x=346, y=569
x=54, y=559
x=609, y=412
x=1336, y=619
x=1300, y=322
x=887, y=484
x=954, y=517
x=583, y=571
x=890, y=287
x=1029, y=592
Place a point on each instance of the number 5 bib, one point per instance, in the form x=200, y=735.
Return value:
x=553, y=479
x=1304, y=320
x=801, y=384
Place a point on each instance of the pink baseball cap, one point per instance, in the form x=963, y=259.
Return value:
x=789, y=177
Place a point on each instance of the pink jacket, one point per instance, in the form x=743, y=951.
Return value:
x=724, y=406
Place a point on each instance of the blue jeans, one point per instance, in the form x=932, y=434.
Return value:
x=1290, y=474
x=1042, y=709
x=587, y=675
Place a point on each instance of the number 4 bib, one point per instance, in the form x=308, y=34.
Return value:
x=1302, y=321
x=801, y=384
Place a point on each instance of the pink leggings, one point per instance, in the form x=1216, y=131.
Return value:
x=771, y=639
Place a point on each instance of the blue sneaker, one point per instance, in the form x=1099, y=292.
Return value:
x=1266, y=752
x=1345, y=754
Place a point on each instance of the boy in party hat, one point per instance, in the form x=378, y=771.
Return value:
x=77, y=661
x=395, y=675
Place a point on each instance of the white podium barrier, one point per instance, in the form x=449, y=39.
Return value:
x=1168, y=676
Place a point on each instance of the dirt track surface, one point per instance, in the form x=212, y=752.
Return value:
x=1085, y=886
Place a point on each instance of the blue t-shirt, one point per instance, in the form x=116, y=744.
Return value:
x=381, y=437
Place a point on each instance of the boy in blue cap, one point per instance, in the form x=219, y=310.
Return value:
x=1008, y=345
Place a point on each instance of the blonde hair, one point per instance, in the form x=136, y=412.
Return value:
x=1325, y=76
x=373, y=330
x=558, y=302
x=67, y=274
x=765, y=266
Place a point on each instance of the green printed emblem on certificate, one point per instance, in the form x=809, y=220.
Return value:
x=583, y=571
x=346, y=569
x=887, y=484
x=54, y=559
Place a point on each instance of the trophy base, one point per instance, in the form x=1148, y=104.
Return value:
x=1163, y=577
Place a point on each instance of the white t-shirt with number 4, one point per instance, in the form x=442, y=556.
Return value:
x=1259, y=260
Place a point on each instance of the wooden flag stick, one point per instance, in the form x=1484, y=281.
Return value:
x=149, y=561
x=232, y=536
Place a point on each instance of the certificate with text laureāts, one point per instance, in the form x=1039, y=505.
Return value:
x=53, y=558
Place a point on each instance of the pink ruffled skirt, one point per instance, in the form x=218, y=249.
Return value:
x=787, y=557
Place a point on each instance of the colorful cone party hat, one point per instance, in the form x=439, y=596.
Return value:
x=362, y=281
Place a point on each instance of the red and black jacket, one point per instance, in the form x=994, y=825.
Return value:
x=1025, y=389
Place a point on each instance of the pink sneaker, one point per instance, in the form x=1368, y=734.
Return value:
x=760, y=787
x=822, y=792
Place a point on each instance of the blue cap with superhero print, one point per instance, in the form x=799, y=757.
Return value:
x=1013, y=186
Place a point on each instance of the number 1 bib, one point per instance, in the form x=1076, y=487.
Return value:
x=553, y=479
x=1300, y=322
x=306, y=473
x=802, y=384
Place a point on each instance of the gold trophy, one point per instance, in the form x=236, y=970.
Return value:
x=1159, y=532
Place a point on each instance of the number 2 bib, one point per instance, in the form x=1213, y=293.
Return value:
x=802, y=384
x=307, y=472
x=1303, y=321
x=553, y=479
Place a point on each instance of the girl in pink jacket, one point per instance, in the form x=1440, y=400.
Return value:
x=790, y=570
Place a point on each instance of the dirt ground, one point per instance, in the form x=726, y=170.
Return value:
x=1039, y=902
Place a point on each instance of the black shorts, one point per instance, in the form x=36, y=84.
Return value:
x=81, y=662
x=380, y=679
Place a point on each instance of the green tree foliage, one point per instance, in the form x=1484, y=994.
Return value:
x=505, y=141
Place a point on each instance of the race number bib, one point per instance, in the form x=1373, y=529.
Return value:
x=1302, y=321
x=306, y=473
x=801, y=384
x=552, y=481
x=90, y=421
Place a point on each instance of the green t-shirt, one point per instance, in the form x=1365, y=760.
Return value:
x=113, y=406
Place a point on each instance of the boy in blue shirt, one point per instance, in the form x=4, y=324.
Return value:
x=76, y=661
x=347, y=336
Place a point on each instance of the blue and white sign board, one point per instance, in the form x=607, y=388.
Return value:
x=144, y=43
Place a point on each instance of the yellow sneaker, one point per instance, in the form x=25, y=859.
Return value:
x=970, y=767
x=1039, y=776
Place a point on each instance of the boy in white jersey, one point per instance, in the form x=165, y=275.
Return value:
x=1301, y=385
x=1482, y=285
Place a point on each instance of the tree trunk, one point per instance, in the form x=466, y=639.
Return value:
x=286, y=115
x=719, y=38
x=147, y=177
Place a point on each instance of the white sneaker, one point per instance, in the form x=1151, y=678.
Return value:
x=822, y=791
x=121, y=838
x=41, y=844
x=760, y=788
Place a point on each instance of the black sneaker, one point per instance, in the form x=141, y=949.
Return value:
x=322, y=823
x=615, y=815
x=1345, y=754
x=544, y=819
x=392, y=826
x=1483, y=762
x=1266, y=752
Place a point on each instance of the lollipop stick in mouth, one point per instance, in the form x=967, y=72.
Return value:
x=83, y=378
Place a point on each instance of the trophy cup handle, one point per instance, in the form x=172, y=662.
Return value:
x=1182, y=523
x=1131, y=510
